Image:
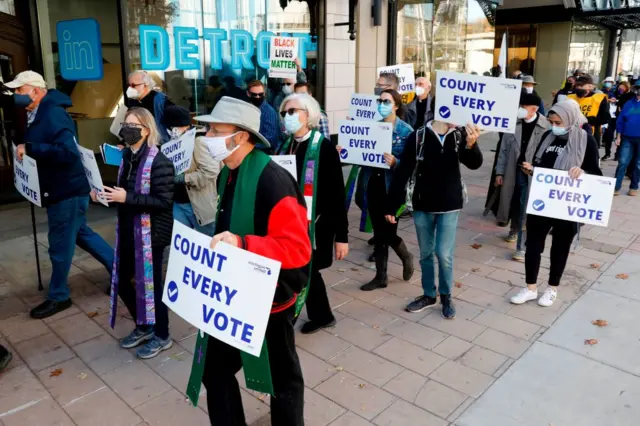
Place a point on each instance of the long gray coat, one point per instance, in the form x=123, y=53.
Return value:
x=507, y=164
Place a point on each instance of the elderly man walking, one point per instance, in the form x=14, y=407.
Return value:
x=51, y=141
x=141, y=93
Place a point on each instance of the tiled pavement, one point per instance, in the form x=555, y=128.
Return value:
x=379, y=365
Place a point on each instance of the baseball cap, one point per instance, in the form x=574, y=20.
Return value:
x=584, y=79
x=30, y=78
x=609, y=79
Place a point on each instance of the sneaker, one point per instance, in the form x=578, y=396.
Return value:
x=616, y=192
x=548, y=297
x=311, y=327
x=606, y=157
x=448, y=310
x=153, y=347
x=525, y=295
x=138, y=335
x=518, y=256
x=633, y=192
x=420, y=304
x=512, y=237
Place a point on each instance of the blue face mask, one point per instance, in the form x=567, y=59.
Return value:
x=22, y=101
x=292, y=123
x=559, y=131
x=608, y=85
x=385, y=110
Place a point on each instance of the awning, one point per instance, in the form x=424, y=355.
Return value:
x=617, y=14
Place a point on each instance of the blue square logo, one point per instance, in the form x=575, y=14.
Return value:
x=80, y=49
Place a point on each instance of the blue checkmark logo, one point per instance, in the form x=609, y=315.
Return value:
x=445, y=112
x=538, y=205
x=344, y=154
x=172, y=291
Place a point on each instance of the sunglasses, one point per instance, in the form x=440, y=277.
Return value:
x=256, y=95
x=290, y=111
x=385, y=101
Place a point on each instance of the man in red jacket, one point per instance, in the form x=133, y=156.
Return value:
x=262, y=210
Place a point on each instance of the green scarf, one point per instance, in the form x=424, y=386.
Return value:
x=257, y=371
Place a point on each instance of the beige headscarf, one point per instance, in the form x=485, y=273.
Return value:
x=573, y=155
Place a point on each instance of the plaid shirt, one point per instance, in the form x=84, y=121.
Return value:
x=324, y=126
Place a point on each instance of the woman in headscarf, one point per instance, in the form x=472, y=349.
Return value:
x=570, y=148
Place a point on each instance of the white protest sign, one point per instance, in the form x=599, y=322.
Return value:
x=117, y=120
x=405, y=74
x=88, y=159
x=287, y=162
x=180, y=151
x=283, y=53
x=587, y=199
x=489, y=102
x=25, y=178
x=364, y=107
x=226, y=292
x=365, y=142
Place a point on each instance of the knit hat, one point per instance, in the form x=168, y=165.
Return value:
x=530, y=99
x=176, y=116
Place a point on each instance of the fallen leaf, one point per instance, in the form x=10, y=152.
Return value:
x=622, y=276
x=475, y=270
x=595, y=266
x=355, y=269
x=342, y=270
x=82, y=376
x=92, y=314
x=361, y=385
x=476, y=246
x=590, y=342
x=600, y=322
x=458, y=284
x=339, y=368
x=376, y=326
x=56, y=372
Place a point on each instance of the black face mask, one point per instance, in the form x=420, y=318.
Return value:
x=256, y=101
x=130, y=135
x=581, y=93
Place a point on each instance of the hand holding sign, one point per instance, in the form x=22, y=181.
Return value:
x=225, y=237
x=20, y=151
x=390, y=159
x=575, y=172
x=473, y=133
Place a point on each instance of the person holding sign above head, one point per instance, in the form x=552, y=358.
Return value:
x=322, y=183
x=431, y=159
x=144, y=196
x=287, y=85
x=195, y=195
x=261, y=210
x=64, y=190
x=566, y=147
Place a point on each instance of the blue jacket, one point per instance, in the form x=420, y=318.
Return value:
x=628, y=124
x=270, y=125
x=51, y=141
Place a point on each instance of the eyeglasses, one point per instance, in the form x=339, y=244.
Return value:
x=290, y=111
x=256, y=95
x=135, y=85
x=385, y=101
x=132, y=125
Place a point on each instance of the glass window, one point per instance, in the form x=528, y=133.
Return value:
x=521, y=47
x=629, y=57
x=8, y=6
x=587, y=48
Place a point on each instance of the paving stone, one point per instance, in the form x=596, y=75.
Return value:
x=75, y=381
x=314, y=370
x=459, y=327
x=102, y=408
x=174, y=366
x=359, y=334
x=19, y=328
x=180, y=329
x=135, y=383
x=452, y=347
x=43, y=351
x=461, y=409
x=318, y=410
x=367, y=314
x=397, y=306
x=483, y=360
x=254, y=409
x=486, y=284
x=171, y=408
x=366, y=365
x=439, y=399
x=418, y=334
x=73, y=310
x=351, y=288
x=16, y=361
x=410, y=356
x=350, y=419
x=19, y=387
x=534, y=314
x=43, y=413
x=502, y=343
x=103, y=354
x=406, y=385
x=484, y=299
x=401, y=413
x=462, y=378
x=98, y=303
x=322, y=344
x=507, y=324
x=337, y=298
x=356, y=395
x=76, y=329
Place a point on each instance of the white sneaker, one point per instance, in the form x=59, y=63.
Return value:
x=548, y=297
x=524, y=296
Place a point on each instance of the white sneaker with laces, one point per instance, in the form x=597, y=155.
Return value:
x=548, y=297
x=525, y=295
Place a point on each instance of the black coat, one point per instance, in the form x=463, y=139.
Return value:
x=158, y=203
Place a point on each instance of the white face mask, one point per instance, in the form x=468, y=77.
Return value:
x=419, y=91
x=522, y=113
x=529, y=89
x=287, y=90
x=217, y=146
x=132, y=93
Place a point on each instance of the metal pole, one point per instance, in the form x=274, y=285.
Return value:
x=35, y=245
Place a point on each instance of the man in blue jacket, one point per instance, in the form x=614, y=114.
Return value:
x=50, y=140
x=628, y=128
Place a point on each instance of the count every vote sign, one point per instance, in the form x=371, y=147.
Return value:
x=490, y=103
x=226, y=292
x=587, y=199
x=180, y=151
x=364, y=143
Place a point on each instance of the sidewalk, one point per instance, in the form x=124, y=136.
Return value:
x=495, y=364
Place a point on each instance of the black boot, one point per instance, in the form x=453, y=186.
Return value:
x=407, y=260
x=372, y=241
x=372, y=258
x=380, y=280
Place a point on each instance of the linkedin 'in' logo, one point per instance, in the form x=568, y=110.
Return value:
x=80, y=49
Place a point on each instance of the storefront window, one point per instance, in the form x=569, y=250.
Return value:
x=221, y=45
x=587, y=48
x=629, y=57
x=452, y=35
x=521, y=47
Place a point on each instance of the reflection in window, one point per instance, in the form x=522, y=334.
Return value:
x=587, y=48
x=629, y=59
x=521, y=47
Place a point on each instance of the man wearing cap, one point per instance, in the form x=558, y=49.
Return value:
x=628, y=127
x=529, y=85
x=262, y=210
x=594, y=106
x=516, y=149
x=50, y=140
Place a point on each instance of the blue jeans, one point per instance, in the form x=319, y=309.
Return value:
x=183, y=213
x=68, y=227
x=629, y=152
x=436, y=235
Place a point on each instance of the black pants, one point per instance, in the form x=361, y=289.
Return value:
x=127, y=291
x=538, y=228
x=608, y=136
x=318, y=307
x=223, y=392
x=384, y=232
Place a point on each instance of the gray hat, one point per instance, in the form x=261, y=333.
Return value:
x=238, y=113
x=528, y=79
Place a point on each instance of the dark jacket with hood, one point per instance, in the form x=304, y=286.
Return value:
x=51, y=141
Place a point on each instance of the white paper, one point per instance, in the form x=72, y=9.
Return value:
x=287, y=162
x=226, y=292
x=489, y=102
x=405, y=74
x=117, y=120
x=364, y=107
x=88, y=159
x=585, y=200
x=365, y=142
x=180, y=151
x=25, y=178
x=283, y=53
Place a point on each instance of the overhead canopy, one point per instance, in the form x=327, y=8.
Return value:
x=618, y=14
